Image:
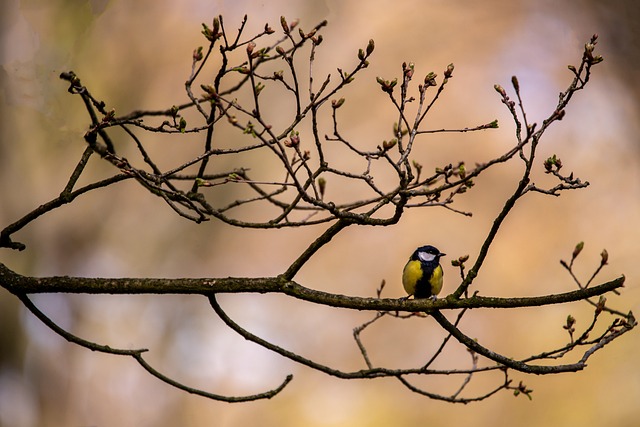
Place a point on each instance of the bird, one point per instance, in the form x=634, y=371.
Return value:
x=422, y=275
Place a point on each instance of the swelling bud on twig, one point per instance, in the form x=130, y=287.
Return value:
x=197, y=54
x=322, y=185
x=386, y=85
x=388, y=145
x=408, y=69
x=285, y=26
x=577, y=250
x=430, y=79
x=294, y=139
x=448, y=73
x=551, y=163
x=569, y=326
x=370, y=47
x=460, y=261
x=337, y=103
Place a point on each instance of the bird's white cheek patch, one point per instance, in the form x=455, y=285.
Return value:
x=426, y=257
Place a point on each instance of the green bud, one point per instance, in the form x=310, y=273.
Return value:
x=206, y=31
x=571, y=321
x=578, y=249
x=197, y=54
x=430, y=79
x=387, y=145
x=337, y=103
x=370, y=47
x=216, y=26
x=462, y=172
x=449, y=71
x=285, y=26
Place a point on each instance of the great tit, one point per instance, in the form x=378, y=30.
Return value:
x=422, y=276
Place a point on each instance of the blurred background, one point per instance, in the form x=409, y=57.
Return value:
x=137, y=55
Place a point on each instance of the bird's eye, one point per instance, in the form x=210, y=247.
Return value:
x=426, y=256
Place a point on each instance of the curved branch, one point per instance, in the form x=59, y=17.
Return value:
x=473, y=345
x=64, y=198
x=454, y=399
x=137, y=355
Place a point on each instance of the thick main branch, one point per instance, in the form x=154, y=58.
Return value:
x=19, y=284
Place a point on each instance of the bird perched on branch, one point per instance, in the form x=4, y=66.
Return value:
x=422, y=276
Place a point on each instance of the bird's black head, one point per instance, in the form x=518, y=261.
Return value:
x=427, y=254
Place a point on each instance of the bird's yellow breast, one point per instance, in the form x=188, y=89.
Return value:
x=410, y=275
x=436, y=280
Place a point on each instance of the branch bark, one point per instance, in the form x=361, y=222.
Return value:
x=19, y=284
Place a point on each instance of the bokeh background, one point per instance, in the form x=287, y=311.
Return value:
x=136, y=55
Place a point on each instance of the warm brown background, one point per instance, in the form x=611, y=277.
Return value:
x=137, y=55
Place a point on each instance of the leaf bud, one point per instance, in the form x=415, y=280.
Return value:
x=462, y=172
x=337, y=103
x=387, y=145
x=285, y=26
x=571, y=321
x=216, y=26
x=370, y=47
x=577, y=249
x=207, y=32
x=322, y=185
x=197, y=54
x=430, y=79
x=515, y=83
x=449, y=71
x=250, y=47
x=294, y=139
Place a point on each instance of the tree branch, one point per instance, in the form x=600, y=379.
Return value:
x=18, y=284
